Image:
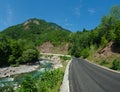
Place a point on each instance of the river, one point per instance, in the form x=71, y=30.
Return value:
x=16, y=80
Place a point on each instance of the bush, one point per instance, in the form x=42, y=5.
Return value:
x=11, y=59
x=64, y=58
x=85, y=53
x=50, y=80
x=28, y=85
x=6, y=89
x=104, y=41
x=103, y=62
x=29, y=55
x=116, y=64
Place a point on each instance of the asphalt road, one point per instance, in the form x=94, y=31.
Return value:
x=86, y=77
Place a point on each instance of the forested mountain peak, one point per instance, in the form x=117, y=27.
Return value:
x=38, y=31
x=20, y=40
x=35, y=21
x=41, y=25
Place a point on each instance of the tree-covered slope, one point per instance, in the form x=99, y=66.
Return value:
x=18, y=43
x=38, y=31
x=102, y=44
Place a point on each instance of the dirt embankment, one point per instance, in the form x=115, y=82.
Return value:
x=105, y=52
x=48, y=47
x=108, y=51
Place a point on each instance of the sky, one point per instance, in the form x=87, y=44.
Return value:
x=74, y=15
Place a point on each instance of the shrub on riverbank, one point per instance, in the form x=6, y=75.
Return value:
x=6, y=89
x=49, y=81
x=15, y=52
x=64, y=58
x=28, y=85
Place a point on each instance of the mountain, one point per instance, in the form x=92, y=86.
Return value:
x=19, y=44
x=38, y=31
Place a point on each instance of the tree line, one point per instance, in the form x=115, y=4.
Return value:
x=15, y=52
x=108, y=30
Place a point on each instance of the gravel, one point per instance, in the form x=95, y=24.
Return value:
x=8, y=71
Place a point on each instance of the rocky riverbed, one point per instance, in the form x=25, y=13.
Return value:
x=8, y=71
x=55, y=60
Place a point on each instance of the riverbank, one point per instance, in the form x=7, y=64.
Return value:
x=9, y=71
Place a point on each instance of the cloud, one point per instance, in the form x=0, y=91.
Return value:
x=68, y=24
x=91, y=11
x=66, y=20
x=9, y=15
x=5, y=23
x=77, y=11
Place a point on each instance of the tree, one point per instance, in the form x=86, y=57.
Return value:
x=16, y=49
x=104, y=41
x=115, y=12
x=29, y=56
x=94, y=37
x=5, y=50
x=116, y=64
x=12, y=59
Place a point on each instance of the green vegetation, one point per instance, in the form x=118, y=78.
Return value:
x=18, y=46
x=28, y=85
x=6, y=89
x=14, y=52
x=18, y=43
x=64, y=58
x=116, y=64
x=108, y=30
x=49, y=81
x=38, y=31
x=88, y=43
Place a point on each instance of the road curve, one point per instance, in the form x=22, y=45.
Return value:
x=86, y=77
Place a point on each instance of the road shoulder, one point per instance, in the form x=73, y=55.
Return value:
x=65, y=84
x=102, y=66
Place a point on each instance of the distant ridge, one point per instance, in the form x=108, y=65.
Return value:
x=38, y=31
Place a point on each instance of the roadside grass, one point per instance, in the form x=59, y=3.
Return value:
x=64, y=61
x=91, y=51
x=65, y=58
x=112, y=62
x=49, y=81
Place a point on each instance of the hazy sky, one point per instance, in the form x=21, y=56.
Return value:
x=70, y=14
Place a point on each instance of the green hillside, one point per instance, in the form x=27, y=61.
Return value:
x=38, y=31
x=102, y=44
x=99, y=43
x=18, y=43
